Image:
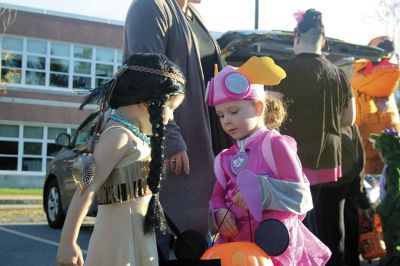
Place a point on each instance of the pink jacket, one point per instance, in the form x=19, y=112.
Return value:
x=272, y=188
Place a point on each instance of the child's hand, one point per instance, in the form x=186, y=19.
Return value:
x=239, y=200
x=228, y=227
x=68, y=254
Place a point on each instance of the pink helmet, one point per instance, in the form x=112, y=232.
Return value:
x=244, y=83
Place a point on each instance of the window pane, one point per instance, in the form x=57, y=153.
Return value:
x=33, y=132
x=38, y=47
x=35, y=78
x=83, y=52
x=119, y=56
x=103, y=54
x=53, y=132
x=48, y=161
x=36, y=62
x=104, y=70
x=59, y=65
x=82, y=82
x=12, y=44
x=52, y=149
x=60, y=49
x=9, y=147
x=58, y=80
x=11, y=75
x=11, y=60
x=100, y=82
x=9, y=131
x=8, y=163
x=31, y=148
x=84, y=135
x=82, y=67
x=32, y=164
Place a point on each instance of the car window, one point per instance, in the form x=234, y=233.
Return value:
x=83, y=136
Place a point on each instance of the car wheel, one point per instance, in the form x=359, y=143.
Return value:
x=52, y=205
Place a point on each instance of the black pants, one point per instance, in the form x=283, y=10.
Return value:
x=352, y=231
x=326, y=219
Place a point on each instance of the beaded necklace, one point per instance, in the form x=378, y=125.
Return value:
x=135, y=130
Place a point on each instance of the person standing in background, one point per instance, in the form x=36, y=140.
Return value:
x=356, y=201
x=174, y=28
x=319, y=102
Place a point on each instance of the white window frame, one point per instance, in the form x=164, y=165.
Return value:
x=86, y=60
x=25, y=62
x=21, y=140
x=22, y=78
x=116, y=64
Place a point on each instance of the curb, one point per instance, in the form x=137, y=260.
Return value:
x=21, y=201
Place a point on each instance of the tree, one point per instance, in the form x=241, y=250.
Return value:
x=388, y=12
x=7, y=18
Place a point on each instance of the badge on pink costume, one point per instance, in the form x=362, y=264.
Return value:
x=239, y=161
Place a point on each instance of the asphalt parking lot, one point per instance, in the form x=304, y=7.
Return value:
x=26, y=239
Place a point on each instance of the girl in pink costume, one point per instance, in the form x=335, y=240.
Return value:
x=261, y=176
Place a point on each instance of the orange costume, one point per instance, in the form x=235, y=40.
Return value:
x=374, y=85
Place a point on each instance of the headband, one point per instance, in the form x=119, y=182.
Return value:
x=104, y=94
x=245, y=83
x=150, y=70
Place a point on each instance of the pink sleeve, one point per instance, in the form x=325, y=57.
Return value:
x=287, y=162
x=217, y=199
x=216, y=202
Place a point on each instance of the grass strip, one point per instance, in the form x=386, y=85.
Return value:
x=21, y=191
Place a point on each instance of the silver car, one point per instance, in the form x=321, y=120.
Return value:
x=59, y=185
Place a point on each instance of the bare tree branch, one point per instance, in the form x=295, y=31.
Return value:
x=7, y=18
x=388, y=12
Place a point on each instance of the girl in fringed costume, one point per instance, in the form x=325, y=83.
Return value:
x=249, y=187
x=126, y=166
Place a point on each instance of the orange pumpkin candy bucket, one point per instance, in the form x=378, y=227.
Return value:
x=271, y=239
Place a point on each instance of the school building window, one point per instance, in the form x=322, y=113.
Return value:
x=36, y=63
x=104, y=65
x=46, y=64
x=11, y=60
x=83, y=56
x=28, y=148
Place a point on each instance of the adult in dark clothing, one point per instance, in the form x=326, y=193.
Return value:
x=319, y=101
x=174, y=28
x=353, y=159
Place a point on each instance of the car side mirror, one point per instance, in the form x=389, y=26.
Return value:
x=63, y=139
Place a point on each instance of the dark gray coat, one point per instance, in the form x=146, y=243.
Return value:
x=160, y=26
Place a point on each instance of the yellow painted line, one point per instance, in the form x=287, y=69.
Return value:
x=39, y=239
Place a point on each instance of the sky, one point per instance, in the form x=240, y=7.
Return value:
x=350, y=20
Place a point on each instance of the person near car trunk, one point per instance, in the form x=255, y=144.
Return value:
x=194, y=137
x=128, y=167
x=319, y=101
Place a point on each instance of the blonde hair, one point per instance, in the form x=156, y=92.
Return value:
x=274, y=113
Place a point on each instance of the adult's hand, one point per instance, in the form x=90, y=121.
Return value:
x=69, y=255
x=178, y=163
x=228, y=227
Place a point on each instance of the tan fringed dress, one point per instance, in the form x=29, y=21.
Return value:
x=118, y=238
